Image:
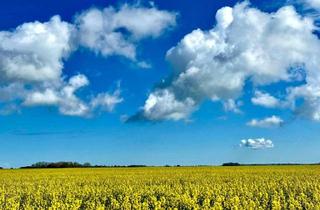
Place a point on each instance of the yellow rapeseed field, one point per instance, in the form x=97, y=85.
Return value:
x=252, y=187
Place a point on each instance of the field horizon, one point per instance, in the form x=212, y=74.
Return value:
x=73, y=164
x=216, y=187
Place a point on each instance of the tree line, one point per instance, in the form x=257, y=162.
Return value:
x=267, y=164
x=69, y=164
x=65, y=164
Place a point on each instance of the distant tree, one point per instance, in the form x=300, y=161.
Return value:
x=40, y=165
x=231, y=164
x=55, y=165
x=87, y=165
x=136, y=166
x=64, y=165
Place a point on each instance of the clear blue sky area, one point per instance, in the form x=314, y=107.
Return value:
x=211, y=133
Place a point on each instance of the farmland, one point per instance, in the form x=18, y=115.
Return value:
x=250, y=187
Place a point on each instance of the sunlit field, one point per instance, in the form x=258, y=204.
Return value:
x=245, y=187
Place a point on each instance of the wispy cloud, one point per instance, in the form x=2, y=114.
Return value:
x=268, y=122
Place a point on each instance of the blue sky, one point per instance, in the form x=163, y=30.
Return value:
x=242, y=88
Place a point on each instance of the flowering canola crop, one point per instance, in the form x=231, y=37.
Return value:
x=245, y=187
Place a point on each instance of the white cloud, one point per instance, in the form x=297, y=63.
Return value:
x=100, y=30
x=70, y=104
x=162, y=105
x=273, y=121
x=31, y=63
x=265, y=100
x=35, y=51
x=231, y=105
x=47, y=97
x=144, y=65
x=259, y=143
x=106, y=101
x=224, y=17
x=64, y=97
x=246, y=45
x=141, y=22
x=32, y=56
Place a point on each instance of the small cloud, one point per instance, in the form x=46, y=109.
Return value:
x=232, y=106
x=106, y=101
x=162, y=105
x=265, y=100
x=258, y=143
x=268, y=122
x=144, y=65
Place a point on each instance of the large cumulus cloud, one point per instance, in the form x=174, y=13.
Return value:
x=32, y=56
x=245, y=45
x=35, y=51
x=32, y=63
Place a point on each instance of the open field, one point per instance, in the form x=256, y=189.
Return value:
x=255, y=187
